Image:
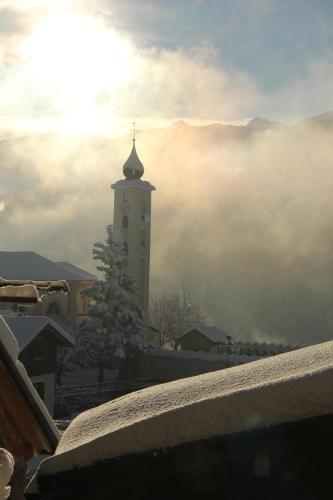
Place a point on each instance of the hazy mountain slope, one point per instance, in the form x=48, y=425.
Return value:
x=324, y=121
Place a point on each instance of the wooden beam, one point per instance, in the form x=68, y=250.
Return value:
x=22, y=421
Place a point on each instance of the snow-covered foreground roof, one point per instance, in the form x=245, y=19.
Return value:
x=285, y=388
x=26, y=328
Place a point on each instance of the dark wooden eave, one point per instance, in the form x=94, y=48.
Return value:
x=43, y=437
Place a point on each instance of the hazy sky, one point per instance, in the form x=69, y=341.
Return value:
x=93, y=65
x=251, y=214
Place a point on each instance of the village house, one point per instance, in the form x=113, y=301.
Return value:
x=38, y=339
x=210, y=338
x=205, y=338
x=33, y=266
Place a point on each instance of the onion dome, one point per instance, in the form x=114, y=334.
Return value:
x=133, y=168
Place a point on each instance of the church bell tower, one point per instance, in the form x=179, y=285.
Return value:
x=131, y=219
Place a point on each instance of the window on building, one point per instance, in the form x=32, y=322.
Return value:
x=40, y=388
x=125, y=196
x=125, y=245
x=124, y=223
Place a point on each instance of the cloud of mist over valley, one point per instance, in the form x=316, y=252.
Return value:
x=242, y=215
x=241, y=218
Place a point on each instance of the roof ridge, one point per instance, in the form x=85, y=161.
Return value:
x=32, y=265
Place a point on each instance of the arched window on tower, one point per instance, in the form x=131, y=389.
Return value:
x=125, y=245
x=124, y=223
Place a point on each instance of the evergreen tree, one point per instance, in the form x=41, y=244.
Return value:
x=115, y=324
x=82, y=355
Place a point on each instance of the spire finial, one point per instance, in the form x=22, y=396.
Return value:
x=133, y=168
x=134, y=132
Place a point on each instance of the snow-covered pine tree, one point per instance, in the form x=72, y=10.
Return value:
x=115, y=325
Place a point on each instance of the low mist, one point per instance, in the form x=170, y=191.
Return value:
x=242, y=216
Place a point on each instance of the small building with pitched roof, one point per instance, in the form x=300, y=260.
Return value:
x=205, y=338
x=210, y=338
x=38, y=339
x=33, y=266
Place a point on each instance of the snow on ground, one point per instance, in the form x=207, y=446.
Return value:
x=81, y=376
x=285, y=388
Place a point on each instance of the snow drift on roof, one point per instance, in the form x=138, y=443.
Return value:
x=26, y=328
x=8, y=340
x=23, y=293
x=284, y=388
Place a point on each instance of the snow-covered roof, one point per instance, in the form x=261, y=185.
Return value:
x=20, y=294
x=212, y=332
x=32, y=266
x=281, y=389
x=85, y=275
x=9, y=356
x=26, y=328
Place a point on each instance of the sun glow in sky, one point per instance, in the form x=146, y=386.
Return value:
x=74, y=60
x=94, y=65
